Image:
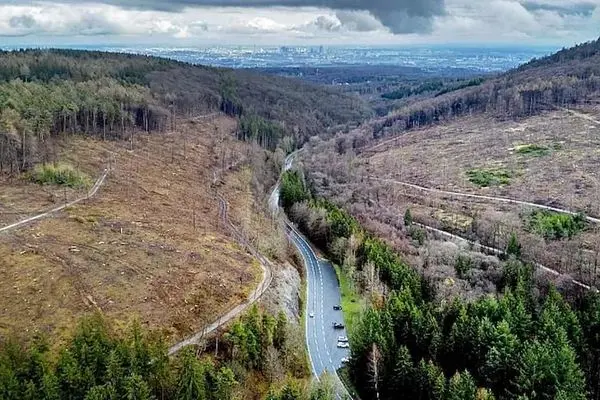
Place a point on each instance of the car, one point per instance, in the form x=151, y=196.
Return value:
x=345, y=360
x=342, y=339
x=337, y=325
x=312, y=315
x=343, y=345
x=337, y=308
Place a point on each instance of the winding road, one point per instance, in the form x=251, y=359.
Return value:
x=322, y=293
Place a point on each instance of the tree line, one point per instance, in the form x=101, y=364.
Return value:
x=33, y=112
x=100, y=363
x=97, y=364
x=46, y=93
x=525, y=342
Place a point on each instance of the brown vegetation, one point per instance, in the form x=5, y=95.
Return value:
x=566, y=79
x=440, y=157
x=149, y=245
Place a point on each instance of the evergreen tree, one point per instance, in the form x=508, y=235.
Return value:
x=404, y=374
x=462, y=387
x=136, y=388
x=408, y=220
x=431, y=381
x=514, y=247
x=191, y=383
x=280, y=331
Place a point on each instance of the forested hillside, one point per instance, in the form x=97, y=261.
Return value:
x=525, y=342
x=100, y=362
x=44, y=93
x=567, y=78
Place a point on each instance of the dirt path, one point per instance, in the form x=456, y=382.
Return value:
x=99, y=182
x=482, y=197
x=493, y=250
x=582, y=115
x=267, y=278
x=256, y=294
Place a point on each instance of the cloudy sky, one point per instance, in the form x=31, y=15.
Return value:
x=209, y=22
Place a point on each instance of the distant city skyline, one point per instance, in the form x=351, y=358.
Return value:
x=181, y=23
x=428, y=58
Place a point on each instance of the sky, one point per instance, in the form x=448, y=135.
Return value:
x=183, y=23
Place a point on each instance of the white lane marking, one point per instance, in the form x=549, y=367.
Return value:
x=339, y=381
x=312, y=364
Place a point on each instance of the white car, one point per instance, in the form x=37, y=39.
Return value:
x=343, y=345
x=342, y=339
x=345, y=360
x=312, y=315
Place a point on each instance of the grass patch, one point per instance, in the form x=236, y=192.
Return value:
x=352, y=304
x=60, y=174
x=533, y=150
x=453, y=221
x=485, y=177
x=556, y=226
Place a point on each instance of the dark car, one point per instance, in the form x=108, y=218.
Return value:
x=337, y=308
x=337, y=325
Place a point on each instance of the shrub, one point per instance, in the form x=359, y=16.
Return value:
x=59, y=174
x=463, y=266
x=489, y=177
x=292, y=189
x=556, y=226
x=514, y=247
x=417, y=234
x=533, y=150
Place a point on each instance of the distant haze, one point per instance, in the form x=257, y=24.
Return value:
x=433, y=58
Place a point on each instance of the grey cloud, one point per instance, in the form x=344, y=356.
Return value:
x=326, y=24
x=88, y=24
x=198, y=26
x=93, y=24
x=22, y=22
x=358, y=21
x=581, y=8
x=400, y=16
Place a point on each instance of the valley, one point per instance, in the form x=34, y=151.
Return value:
x=186, y=232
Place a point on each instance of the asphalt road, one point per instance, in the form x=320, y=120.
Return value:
x=322, y=294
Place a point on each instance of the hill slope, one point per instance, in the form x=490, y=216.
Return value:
x=567, y=78
x=542, y=151
x=47, y=92
x=147, y=246
x=151, y=243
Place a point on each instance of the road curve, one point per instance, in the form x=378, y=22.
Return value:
x=322, y=293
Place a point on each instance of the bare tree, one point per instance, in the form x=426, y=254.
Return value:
x=374, y=368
